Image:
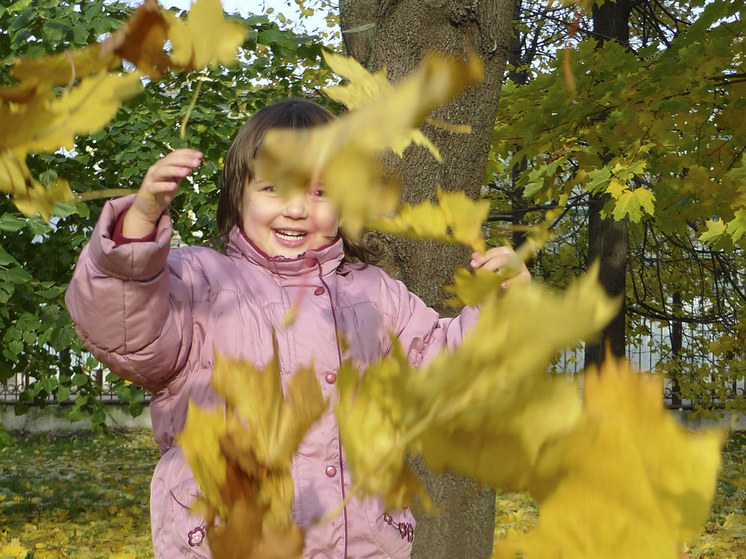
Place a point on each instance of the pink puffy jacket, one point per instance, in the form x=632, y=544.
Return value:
x=157, y=318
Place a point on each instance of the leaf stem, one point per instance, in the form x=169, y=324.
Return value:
x=190, y=108
x=98, y=194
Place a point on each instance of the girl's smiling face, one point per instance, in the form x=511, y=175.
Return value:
x=287, y=227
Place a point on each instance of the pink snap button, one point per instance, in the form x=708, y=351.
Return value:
x=330, y=378
x=318, y=291
x=310, y=262
x=331, y=471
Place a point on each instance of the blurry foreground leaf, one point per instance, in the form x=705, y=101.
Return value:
x=343, y=155
x=206, y=38
x=628, y=482
x=455, y=219
x=241, y=458
x=485, y=410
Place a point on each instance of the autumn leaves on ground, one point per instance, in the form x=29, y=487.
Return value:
x=84, y=495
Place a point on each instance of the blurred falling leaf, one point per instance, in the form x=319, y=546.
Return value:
x=141, y=40
x=365, y=88
x=628, y=482
x=485, y=409
x=455, y=219
x=343, y=155
x=241, y=458
x=63, y=68
x=83, y=110
x=41, y=200
x=206, y=39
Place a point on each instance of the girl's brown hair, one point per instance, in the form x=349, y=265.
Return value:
x=237, y=171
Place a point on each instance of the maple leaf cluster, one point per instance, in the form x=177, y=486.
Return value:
x=615, y=476
x=35, y=118
x=241, y=458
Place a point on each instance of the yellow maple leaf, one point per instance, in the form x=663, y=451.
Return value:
x=715, y=231
x=13, y=549
x=365, y=88
x=83, y=110
x=41, y=200
x=206, y=38
x=276, y=425
x=372, y=427
x=64, y=68
x=15, y=177
x=628, y=482
x=242, y=457
x=500, y=400
x=631, y=202
x=486, y=409
x=141, y=40
x=455, y=219
x=200, y=441
x=343, y=155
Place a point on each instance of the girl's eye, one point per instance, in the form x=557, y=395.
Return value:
x=319, y=193
x=271, y=189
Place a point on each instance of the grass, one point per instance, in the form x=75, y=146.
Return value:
x=79, y=494
x=85, y=495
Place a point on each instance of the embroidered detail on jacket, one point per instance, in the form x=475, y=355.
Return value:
x=406, y=530
x=196, y=536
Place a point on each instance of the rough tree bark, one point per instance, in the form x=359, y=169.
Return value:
x=608, y=239
x=397, y=34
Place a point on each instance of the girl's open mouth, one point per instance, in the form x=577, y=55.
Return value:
x=290, y=237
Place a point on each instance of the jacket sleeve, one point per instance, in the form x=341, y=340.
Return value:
x=421, y=331
x=131, y=309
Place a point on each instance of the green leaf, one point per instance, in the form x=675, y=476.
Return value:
x=62, y=338
x=715, y=230
x=737, y=226
x=16, y=275
x=79, y=379
x=632, y=202
x=6, y=258
x=62, y=394
x=11, y=223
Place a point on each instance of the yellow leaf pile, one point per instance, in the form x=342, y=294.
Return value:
x=241, y=458
x=12, y=549
x=35, y=118
x=343, y=155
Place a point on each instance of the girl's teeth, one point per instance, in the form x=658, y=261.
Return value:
x=291, y=236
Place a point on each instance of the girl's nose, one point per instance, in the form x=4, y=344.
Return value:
x=296, y=207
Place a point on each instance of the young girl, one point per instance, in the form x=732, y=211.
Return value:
x=157, y=318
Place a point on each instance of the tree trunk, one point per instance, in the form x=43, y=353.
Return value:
x=677, y=339
x=608, y=239
x=397, y=34
x=519, y=61
x=608, y=243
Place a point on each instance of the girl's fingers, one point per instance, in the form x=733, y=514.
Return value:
x=184, y=152
x=186, y=158
x=500, y=254
x=164, y=172
x=494, y=259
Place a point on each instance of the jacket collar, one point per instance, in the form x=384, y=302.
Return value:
x=328, y=257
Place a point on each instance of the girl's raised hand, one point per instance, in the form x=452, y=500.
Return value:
x=158, y=191
x=494, y=260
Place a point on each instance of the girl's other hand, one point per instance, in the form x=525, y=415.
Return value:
x=495, y=259
x=158, y=191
